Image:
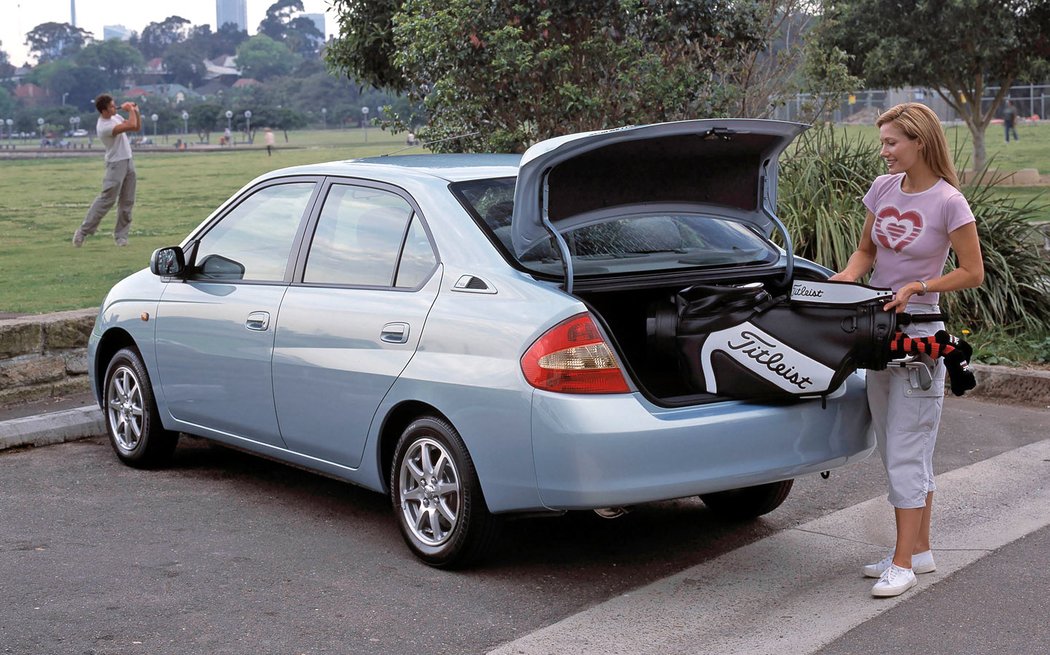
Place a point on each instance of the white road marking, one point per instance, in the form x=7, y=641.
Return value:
x=798, y=590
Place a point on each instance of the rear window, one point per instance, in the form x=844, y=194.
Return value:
x=628, y=239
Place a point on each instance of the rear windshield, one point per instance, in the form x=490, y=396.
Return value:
x=627, y=239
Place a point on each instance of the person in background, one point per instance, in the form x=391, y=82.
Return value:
x=269, y=142
x=1009, y=120
x=118, y=184
x=915, y=215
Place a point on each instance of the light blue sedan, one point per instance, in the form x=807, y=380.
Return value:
x=480, y=336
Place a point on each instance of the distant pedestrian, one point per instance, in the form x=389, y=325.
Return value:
x=269, y=142
x=118, y=185
x=1009, y=119
x=227, y=137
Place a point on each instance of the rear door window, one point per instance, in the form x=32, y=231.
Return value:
x=368, y=237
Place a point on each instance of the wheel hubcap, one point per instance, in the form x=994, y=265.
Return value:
x=429, y=489
x=124, y=409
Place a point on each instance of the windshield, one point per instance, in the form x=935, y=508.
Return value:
x=629, y=239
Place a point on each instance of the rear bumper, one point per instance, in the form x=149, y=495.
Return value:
x=603, y=451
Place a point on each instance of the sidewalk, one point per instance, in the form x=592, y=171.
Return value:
x=78, y=416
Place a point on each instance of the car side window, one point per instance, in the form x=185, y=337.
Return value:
x=359, y=239
x=252, y=242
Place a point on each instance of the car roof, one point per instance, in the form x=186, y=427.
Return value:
x=453, y=168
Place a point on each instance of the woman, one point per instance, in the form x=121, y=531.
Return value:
x=915, y=214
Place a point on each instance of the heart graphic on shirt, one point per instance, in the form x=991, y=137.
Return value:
x=896, y=230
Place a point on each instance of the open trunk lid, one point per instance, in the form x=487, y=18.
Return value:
x=727, y=163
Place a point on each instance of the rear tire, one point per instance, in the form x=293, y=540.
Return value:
x=748, y=502
x=437, y=498
x=132, y=419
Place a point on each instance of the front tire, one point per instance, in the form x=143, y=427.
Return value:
x=437, y=498
x=748, y=502
x=132, y=419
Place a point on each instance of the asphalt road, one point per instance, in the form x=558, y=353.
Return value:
x=228, y=553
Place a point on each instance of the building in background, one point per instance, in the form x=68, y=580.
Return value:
x=318, y=20
x=231, y=11
x=115, y=32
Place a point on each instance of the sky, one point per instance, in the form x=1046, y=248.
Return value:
x=20, y=16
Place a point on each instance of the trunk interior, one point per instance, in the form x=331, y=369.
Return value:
x=651, y=357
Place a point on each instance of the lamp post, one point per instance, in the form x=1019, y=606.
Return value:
x=10, y=131
x=185, y=122
x=364, y=121
x=64, y=98
x=324, y=117
x=154, y=117
x=40, y=126
x=229, y=126
x=248, y=121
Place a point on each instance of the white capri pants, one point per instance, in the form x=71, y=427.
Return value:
x=906, y=418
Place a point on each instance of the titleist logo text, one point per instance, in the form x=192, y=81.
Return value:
x=803, y=290
x=761, y=351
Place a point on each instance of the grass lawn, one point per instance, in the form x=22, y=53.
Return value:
x=42, y=201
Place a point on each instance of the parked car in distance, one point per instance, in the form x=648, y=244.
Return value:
x=485, y=336
x=80, y=132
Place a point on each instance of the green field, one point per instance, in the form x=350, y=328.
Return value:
x=42, y=201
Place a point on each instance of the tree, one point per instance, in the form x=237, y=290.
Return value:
x=114, y=58
x=285, y=24
x=6, y=69
x=508, y=74
x=158, y=37
x=184, y=63
x=51, y=41
x=66, y=78
x=957, y=47
x=261, y=57
x=227, y=39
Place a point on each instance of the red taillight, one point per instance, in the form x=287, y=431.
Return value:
x=572, y=357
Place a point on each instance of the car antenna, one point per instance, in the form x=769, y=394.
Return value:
x=421, y=144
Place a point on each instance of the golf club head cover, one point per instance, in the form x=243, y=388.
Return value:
x=957, y=362
x=955, y=352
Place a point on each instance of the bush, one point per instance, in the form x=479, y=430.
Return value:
x=822, y=182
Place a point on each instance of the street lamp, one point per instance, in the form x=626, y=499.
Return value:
x=324, y=117
x=364, y=113
x=64, y=98
x=10, y=130
x=40, y=126
x=154, y=117
x=185, y=122
x=229, y=126
x=248, y=119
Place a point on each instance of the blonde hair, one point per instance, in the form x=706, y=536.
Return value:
x=918, y=121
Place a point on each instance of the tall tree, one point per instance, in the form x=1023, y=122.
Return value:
x=159, y=36
x=959, y=48
x=51, y=41
x=6, y=69
x=114, y=58
x=526, y=71
x=261, y=57
x=285, y=24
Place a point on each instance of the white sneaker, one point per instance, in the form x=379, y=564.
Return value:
x=894, y=581
x=920, y=563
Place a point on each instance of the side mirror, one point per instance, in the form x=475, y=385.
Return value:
x=168, y=262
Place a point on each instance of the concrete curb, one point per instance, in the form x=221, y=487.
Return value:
x=1023, y=386
x=52, y=427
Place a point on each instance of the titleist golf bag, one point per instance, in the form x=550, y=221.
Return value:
x=739, y=341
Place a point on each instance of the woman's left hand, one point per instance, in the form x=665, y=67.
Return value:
x=904, y=294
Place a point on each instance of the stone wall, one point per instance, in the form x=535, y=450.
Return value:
x=44, y=356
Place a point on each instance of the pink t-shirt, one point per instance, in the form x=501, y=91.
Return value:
x=911, y=231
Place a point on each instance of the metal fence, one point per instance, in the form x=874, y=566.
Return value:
x=1032, y=100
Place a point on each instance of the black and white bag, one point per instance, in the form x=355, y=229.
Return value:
x=739, y=341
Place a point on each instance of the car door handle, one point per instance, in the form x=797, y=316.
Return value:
x=259, y=321
x=394, y=333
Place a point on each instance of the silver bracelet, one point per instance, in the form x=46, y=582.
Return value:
x=925, y=288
